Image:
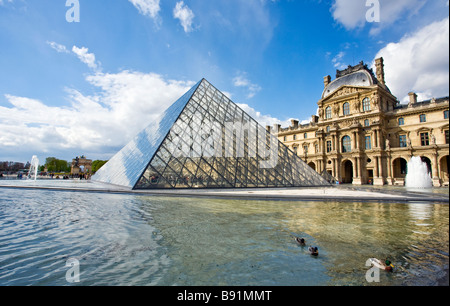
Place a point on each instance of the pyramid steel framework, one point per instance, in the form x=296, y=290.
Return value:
x=204, y=140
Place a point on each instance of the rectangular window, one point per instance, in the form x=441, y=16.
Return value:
x=401, y=121
x=424, y=139
x=446, y=114
x=295, y=137
x=403, y=143
x=346, y=109
x=368, y=143
x=446, y=137
x=366, y=105
x=328, y=146
x=346, y=144
x=328, y=113
x=423, y=118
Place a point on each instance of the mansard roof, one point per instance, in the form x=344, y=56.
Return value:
x=358, y=75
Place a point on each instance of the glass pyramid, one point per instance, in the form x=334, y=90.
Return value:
x=204, y=140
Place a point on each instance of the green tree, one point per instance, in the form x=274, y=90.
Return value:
x=56, y=165
x=97, y=164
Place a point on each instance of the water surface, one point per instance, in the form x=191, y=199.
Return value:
x=126, y=239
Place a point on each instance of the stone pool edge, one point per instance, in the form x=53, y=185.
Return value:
x=290, y=194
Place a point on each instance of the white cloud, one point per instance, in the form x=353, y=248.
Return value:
x=2, y=2
x=32, y=124
x=419, y=62
x=124, y=104
x=85, y=57
x=264, y=120
x=101, y=123
x=58, y=47
x=97, y=125
x=82, y=54
x=148, y=8
x=241, y=81
x=337, y=61
x=185, y=15
x=352, y=14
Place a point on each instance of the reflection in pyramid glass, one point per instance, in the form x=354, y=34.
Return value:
x=204, y=140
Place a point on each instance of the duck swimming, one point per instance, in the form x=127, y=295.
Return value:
x=387, y=265
x=300, y=241
x=313, y=251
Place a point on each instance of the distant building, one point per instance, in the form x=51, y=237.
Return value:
x=81, y=165
x=363, y=135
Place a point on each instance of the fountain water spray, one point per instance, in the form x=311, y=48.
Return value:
x=33, y=168
x=418, y=175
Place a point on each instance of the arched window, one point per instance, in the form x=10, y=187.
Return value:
x=346, y=108
x=346, y=144
x=328, y=112
x=366, y=104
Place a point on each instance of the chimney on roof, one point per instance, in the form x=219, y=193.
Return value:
x=294, y=123
x=379, y=65
x=326, y=80
x=276, y=128
x=412, y=98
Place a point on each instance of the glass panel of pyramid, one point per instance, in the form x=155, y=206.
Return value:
x=204, y=140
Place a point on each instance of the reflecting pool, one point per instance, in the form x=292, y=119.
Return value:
x=129, y=239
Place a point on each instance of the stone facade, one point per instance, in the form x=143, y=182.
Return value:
x=363, y=135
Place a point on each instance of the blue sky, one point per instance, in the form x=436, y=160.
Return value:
x=87, y=87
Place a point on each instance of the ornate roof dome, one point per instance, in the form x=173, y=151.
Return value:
x=360, y=78
x=359, y=75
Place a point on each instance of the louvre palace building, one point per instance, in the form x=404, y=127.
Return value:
x=363, y=135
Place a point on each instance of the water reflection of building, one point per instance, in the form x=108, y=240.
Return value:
x=362, y=134
x=81, y=165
